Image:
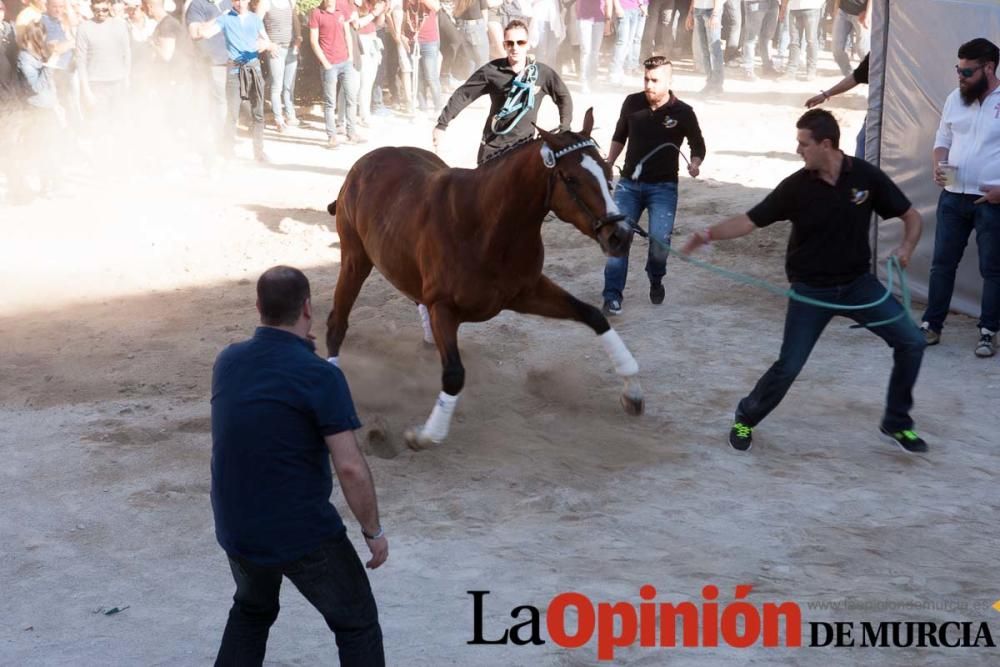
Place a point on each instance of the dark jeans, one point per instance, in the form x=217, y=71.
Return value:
x=804, y=324
x=957, y=216
x=332, y=578
x=233, y=105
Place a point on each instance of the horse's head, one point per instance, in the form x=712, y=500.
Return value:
x=580, y=187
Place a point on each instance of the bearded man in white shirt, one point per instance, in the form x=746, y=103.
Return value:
x=967, y=166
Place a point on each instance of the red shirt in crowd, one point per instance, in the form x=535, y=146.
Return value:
x=332, y=40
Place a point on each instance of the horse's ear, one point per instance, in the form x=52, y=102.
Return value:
x=547, y=136
x=588, y=122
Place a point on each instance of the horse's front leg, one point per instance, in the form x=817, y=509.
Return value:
x=354, y=269
x=444, y=324
x=549, y=300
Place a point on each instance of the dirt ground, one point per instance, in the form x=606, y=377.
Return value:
x=119, y=292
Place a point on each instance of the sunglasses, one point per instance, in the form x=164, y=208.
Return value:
x=509, y=43
x=967, y=72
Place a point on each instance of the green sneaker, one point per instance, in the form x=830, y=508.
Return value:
x=906, y=439
x=740, y=437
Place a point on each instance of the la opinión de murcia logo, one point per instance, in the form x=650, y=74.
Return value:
x=737, y=623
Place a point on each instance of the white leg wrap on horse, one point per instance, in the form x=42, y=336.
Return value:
x=438, y=424
x=334, y=360
x=625, y=364
x=425, y=322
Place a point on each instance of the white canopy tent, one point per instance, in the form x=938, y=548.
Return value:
x=913, y=54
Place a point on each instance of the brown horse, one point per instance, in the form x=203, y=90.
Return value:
x=465, y=244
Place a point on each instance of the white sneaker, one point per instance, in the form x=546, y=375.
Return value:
x=987, y=345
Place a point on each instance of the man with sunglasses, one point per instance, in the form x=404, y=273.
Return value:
x=968, y=145
x=497, y=79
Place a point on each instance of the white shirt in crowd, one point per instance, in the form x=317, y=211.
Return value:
x=704, y=4
x=972, y=136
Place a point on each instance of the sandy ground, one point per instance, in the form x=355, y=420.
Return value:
x=118, y=295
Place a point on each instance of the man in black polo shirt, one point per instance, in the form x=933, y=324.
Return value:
x=513, y=77
x=654, y=123
x=279, y=414
x=829, y=203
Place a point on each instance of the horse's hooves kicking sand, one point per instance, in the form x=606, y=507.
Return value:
x=465, y=244
x=416, y=440
x=633, y=406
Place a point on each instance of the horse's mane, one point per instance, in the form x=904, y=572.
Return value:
x=507, y=150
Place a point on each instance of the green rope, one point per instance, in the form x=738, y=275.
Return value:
x=892, y=269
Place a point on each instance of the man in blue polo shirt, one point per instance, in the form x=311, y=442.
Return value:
x=279, y=414
x=245, y=38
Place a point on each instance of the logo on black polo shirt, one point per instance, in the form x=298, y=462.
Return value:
x=669, y=122
x=859, y=197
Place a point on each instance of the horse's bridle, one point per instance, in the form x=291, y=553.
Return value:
x=551, y=158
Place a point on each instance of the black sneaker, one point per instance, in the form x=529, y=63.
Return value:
x=740, y=437
x=906, y=439
x=656, y=293
x=612, y=307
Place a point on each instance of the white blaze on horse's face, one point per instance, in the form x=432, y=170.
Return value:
x=590, y=164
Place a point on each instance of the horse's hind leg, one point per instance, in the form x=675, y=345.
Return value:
x=444, y=323
x=549, y=300
x=354, y=269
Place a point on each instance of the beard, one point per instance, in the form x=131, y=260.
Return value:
x=973, y=91
x=657, y=98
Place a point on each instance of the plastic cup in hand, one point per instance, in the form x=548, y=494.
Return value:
x=950, y=172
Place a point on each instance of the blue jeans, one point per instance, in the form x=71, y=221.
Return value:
x=768, y=32
x=957, y=216
x=803, y=21
x=660, y=200
x=343, y=75
x=628, y=35
x=804, y=324
x=859, y=144
x=281, y=69
x=711, y=51
x=843, y=25
x=430, y=75
x=756, y=11
x=331, y=578
x=591, y=36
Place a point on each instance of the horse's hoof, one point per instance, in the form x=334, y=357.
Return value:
x=416, y=440
x=633, y=406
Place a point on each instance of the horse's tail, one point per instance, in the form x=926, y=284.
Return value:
x=332, y=208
